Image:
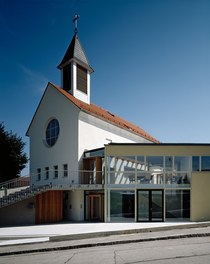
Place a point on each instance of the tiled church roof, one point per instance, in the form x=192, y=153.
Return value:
x=106, y=115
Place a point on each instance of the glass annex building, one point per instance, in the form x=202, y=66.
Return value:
x=156, y=182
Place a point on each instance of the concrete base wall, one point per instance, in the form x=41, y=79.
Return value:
x=21, y=213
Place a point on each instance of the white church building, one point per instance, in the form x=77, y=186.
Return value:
x=65, y=126
x=87, y=164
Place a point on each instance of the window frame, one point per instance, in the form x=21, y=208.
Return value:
x=55, y=167
x=52, y=132
x=39, y=171
x=65, y=170
x=47, y=172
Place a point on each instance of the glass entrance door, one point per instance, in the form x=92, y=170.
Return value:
x=150, y=205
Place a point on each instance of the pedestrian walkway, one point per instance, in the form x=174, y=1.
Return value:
x=29, y=239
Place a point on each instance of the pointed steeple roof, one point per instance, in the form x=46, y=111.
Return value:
x=76, y=53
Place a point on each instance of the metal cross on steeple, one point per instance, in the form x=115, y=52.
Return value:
x=76, y=17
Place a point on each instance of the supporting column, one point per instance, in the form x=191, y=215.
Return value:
x=108, y=206
x=136, y=209
x=74, y=78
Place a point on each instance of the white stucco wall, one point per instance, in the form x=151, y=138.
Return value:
x=95, y=132
x=65, y=151
x=79, y=131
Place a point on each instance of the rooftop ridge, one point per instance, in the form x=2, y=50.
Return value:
x=105, y=115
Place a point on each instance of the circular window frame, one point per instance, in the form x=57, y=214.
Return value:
x=52, y=132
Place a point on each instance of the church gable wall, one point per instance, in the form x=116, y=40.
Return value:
x=64, y=152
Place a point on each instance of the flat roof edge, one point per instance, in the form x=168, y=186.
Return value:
x=158, y=144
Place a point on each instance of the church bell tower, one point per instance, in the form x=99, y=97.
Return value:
x=75, y=69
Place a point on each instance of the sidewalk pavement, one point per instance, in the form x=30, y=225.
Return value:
x=42, y=238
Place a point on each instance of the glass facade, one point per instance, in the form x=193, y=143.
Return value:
x=149, y=187
x=205, y=163
x=122, y=206
x=150, y=205
x=177, y=204
x=144, y=188
x=196, y=163
x=145, y=182
x=121, y=170
x=201, y=163
x=150, y=171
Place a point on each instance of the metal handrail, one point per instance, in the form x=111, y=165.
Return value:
x=55, y=177
x=14, y=183
x=19, y=189
x=22, y=195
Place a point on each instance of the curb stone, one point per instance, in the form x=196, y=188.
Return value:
x=97, y=244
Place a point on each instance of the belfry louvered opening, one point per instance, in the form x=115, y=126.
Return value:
x=81, y=79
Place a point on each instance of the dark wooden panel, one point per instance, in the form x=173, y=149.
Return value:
x=49, y=207
x=88, y=167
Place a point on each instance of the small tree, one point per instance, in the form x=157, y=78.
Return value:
x=12, y=156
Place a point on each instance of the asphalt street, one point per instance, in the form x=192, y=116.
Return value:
x=171, y=251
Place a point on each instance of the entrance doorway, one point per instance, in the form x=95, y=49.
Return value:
x=150, y=205
x=94, y=207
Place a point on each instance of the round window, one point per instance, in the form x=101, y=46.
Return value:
x=52, y=132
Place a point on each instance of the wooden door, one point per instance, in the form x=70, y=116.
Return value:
x=95, y=207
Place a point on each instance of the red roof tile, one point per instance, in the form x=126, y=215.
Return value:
x=106, y=115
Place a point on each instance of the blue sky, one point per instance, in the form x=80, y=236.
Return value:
x=151, y=60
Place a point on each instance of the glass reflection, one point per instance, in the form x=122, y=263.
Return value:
x=122, y=206
x=205, y=163
x=178, y=204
